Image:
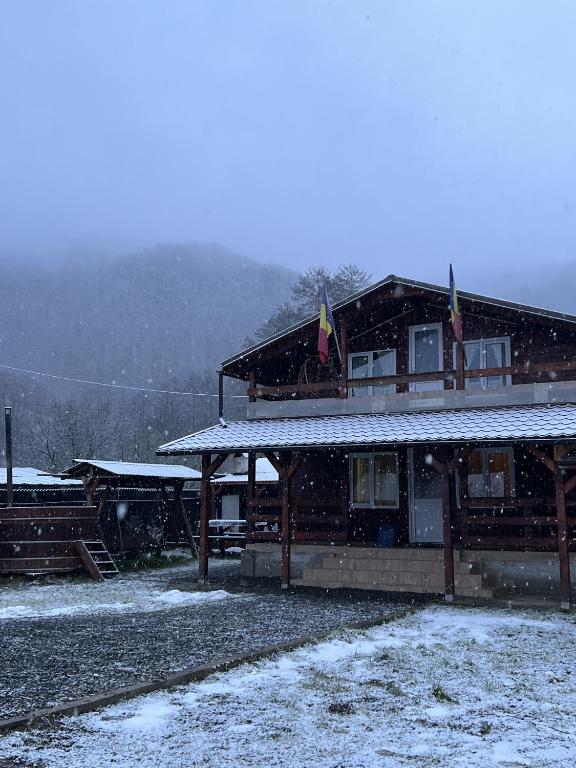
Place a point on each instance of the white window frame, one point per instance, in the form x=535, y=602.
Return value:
x=506, y=340
x=425, y=386
x=508, y=449
x=390, y=388
x=372, y=503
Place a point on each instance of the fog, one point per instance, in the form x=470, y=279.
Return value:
x=399, y=135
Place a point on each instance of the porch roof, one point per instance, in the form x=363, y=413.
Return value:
x=478, y=425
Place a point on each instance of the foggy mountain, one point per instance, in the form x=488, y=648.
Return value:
x=163, y=318
x=138, y=319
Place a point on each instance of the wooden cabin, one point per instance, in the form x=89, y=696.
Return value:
x=409, y=463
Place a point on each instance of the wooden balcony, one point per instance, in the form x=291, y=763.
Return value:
x=526, y=385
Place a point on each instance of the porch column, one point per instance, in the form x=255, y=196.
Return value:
x=561, y=488
x=449, y=589
x=204, y=508
x=208, y=469
x=563, y=553
x=250, y=496
x=286, y=481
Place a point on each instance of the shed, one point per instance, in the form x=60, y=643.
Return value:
x=161, y=502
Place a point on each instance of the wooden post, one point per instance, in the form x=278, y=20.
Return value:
x=179, y=505
x=8, y=449
x=251, y=387
x=204, y=508
x=563, y=553
x=449, y=589
x=343, y=359
x=561, y=489
x=459, y=366
x=250, y=495
x=286, y=532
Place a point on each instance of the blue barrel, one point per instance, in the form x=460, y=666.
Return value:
x=387, y=536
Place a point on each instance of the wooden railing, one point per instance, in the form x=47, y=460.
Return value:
x=339, y=388
x=315, y=520
x=528, y=523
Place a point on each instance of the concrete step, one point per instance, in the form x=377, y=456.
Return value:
x=326, y=584
x=429, y=589
x=401, y=565
x=392, y=553
x=369, y=578
x=466, y=584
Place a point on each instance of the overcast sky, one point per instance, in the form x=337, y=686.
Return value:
x=400, y=135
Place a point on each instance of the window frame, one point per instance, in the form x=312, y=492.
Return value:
x=370, y=354
x=485, y=450
x=372, y=503
x=425, y=386
x=506, y=340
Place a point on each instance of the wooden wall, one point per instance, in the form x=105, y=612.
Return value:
x=41, y=539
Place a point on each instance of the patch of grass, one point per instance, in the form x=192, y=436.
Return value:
x=341, y=708
x=388, y=685
x=145, y=561
x=440, y=695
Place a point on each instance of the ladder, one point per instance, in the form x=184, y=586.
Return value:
x=96, y=559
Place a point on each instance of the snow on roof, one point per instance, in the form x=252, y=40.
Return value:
x=30, y=476
x=133, y=469
x=265, y=473
x=536, y=422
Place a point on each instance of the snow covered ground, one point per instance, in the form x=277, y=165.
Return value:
x=443, y=687
x=139, y=592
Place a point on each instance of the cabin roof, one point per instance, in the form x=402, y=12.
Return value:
x=408, y=283
x=129, y=469
x=537, y=422
x=31, y=477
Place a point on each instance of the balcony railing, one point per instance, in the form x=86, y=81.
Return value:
x=535, y=373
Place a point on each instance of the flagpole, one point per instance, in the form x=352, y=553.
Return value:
x=337, y=345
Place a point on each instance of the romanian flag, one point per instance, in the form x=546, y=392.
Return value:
x=455, y=314
x=327, y=326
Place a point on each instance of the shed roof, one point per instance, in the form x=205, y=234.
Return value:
x=534, y=422
x=407, y=283
x=36, y=478
x=131, y=470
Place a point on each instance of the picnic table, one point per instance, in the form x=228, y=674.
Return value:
x=229, y=530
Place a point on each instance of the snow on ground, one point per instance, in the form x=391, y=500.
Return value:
x=139, y=592
x=443, y=687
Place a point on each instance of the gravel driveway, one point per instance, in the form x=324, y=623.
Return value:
x=47, y=661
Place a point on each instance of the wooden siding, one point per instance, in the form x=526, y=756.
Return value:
x=41, y=539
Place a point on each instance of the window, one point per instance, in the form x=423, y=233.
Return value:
x=425, y=355
x=364, y=365
x=491, y=473
x=374, y=480
x=486, y=353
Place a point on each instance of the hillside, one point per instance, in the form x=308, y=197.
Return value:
x=163, y=319
x=144, y=317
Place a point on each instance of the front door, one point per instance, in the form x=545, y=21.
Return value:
x=425, y=353
x=425, y=499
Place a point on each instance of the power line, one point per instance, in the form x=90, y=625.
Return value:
x=115, y=386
